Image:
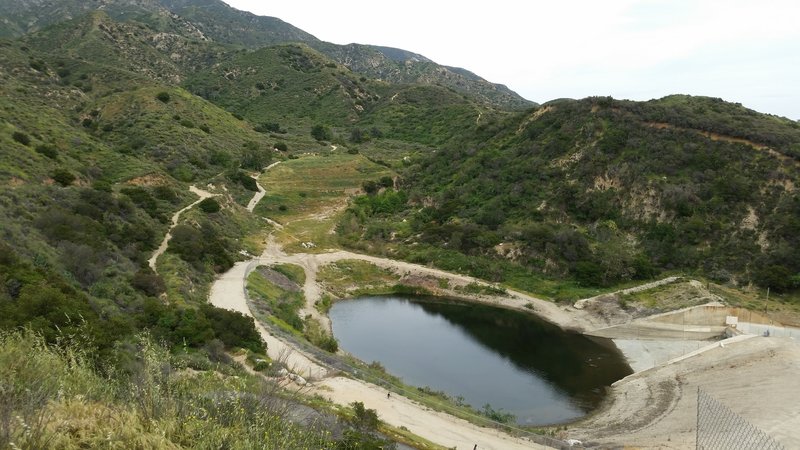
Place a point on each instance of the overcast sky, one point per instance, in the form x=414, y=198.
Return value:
x=741, y=51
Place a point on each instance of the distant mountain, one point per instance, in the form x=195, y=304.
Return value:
x=403, y=67
x=215, y=21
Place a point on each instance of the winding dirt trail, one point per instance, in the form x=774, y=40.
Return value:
x=565, y=317
x=261, y=191
x=229, y=292
x=175, y=217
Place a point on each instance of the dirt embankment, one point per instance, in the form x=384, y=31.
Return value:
x=755, y=378
x=228, y=292
x=651, y=409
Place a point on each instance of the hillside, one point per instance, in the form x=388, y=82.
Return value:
x=132, y=127
x=284, y=83
x=214, y=21
x=95, y=159
x=600, y=192
x=399, y=66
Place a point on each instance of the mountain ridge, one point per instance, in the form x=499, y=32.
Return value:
x=217, y=21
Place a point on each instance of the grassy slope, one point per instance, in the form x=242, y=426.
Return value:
x=57, y=399
x=307, y=194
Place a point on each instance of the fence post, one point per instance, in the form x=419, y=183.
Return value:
x=697, y=429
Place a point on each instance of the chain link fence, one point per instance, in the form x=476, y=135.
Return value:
x=720, y=428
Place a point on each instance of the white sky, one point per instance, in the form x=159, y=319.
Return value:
x=745, y=51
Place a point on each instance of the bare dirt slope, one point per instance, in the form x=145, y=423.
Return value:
x=756, y=378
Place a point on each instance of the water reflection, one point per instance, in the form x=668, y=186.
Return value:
x=510, y=360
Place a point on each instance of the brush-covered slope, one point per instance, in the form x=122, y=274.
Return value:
x=430, y=115
x=215, y=21
x=603, y=191
x=289, y=86
x=284, y=82
x=129, y=46
x=209, y=19
x=95, y=159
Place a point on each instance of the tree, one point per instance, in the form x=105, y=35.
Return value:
x=63, y=177
x=357, y=136
x=321, y=133
x=209, y=206
x=386, y=181
x=20, y=137
x=370, y=187
x=254, y=158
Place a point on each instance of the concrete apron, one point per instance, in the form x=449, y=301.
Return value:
x=665, y=338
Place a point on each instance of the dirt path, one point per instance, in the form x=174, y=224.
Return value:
x=435, y=426
x=261, y=191
x=650, y=409
x=228, y=292
x=566, y=317
x=175, y=217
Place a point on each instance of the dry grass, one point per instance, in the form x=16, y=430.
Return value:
x=307, y=194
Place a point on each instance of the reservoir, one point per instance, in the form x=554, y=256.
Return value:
x=515, y=362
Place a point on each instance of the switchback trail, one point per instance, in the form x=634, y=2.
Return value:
x=175, y=217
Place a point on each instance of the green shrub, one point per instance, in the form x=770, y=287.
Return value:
x=269, y=127
x=47, y=150
x=363, y=418
x=20, y=137
x=38, y=66
x=209, y=206
x=149, y=282
x=321, y=133
x=63, y=177
x=163, y=97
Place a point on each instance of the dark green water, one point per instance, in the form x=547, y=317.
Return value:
x=512, y=361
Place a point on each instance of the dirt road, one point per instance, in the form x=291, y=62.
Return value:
x=228, y=292
x=566, y=317
x=175, y=217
